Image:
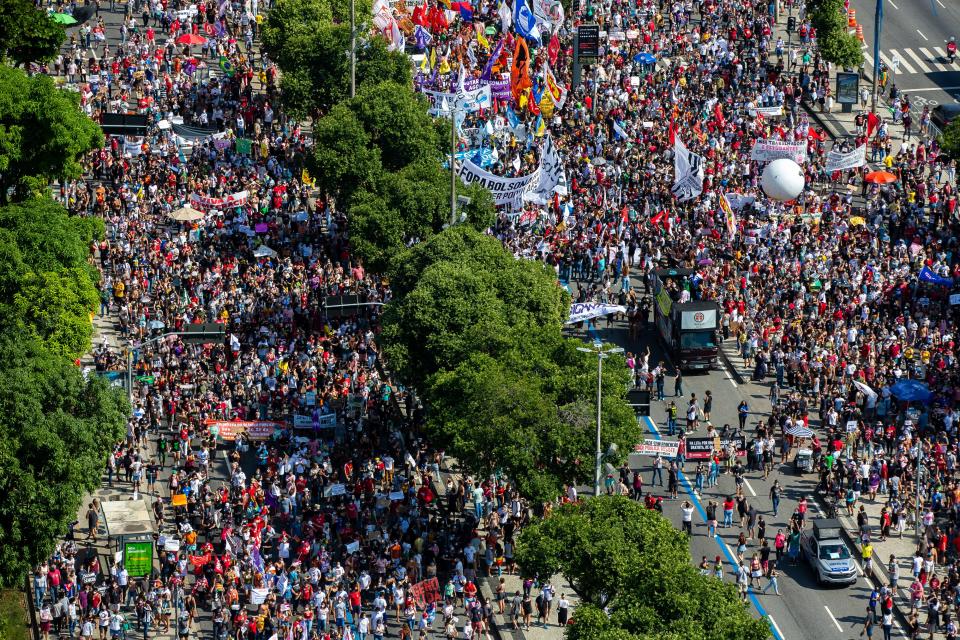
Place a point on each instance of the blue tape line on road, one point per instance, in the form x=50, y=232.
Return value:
x=703, y=514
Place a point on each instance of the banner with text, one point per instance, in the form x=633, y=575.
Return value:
x=702, y=448
x=688, y=172
x=837, y=161
x=581, y=311
x=665, y=448
x=769, y=150
x=255, y=429
x=204, y=203
x=506, y=191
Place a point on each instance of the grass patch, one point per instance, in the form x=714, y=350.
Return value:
x=13, y=616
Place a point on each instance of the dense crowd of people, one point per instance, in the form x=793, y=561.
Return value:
x=343, y=526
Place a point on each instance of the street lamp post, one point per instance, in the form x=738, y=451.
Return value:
x=877, y=28
x=353, y=49
x=601, y=354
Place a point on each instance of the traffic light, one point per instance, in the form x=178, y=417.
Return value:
x=791, y=24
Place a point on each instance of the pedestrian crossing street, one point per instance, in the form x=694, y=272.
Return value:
x=915, y=60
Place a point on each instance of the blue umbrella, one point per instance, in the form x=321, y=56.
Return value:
x=645, y=58
x=911, y=391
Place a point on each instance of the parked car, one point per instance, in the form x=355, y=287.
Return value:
x=944, y=114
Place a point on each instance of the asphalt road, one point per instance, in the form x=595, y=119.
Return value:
x=805, y=610
x=915, y=31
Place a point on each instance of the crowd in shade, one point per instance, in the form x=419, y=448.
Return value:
x=343, y=526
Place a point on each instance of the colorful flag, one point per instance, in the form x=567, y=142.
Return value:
x=465, y=10
x=553, y=49
x=729, y=217
x=226, y=66
x=422, y=37
x=520, y=70
x=481, y=38
x=488, y=70
x=524, y=20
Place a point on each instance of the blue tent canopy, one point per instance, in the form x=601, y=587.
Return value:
x=911, y=391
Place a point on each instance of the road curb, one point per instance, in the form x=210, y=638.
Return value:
x=877, y=576
x=730, y=368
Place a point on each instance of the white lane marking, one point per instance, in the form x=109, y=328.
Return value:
x=893, y=5
x=859, y=568
x=920, y=63
x=903, y=63
x=934, y=89
x=921, y=35
x=813, y=505
x=942, y=56
x=933, y=59
x=868, y=59
x=752, y=492
x=944, y=6
x=830, y=613
x=774, y=623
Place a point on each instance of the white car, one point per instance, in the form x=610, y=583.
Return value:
x=827, y=554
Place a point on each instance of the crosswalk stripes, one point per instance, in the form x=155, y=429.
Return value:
x=918, y=60
x=920, y=63
x=904, y=64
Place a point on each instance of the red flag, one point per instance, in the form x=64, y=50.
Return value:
x=553, y=50
x=872, y=122
x=655, y=220
x=420, y=15
x=438, y=20
x=673, y=133
x=813, y=133
x=718, y=113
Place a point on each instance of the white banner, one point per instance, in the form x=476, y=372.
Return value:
x=506, y=191
x=666, y=448
x=739, y=201
x=768, y=150
x=688, y=172
x=581, y=311
x=837, y=161
x=259, y=595
x=132, y=146
x=548, y=12
x=766, y=111
x=463, y=100
x=552, y=176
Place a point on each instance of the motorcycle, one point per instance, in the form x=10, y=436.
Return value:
x=951, y=50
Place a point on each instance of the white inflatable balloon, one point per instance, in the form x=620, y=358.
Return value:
x=782, y=180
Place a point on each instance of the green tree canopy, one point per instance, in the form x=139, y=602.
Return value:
x=343, y=160
x=46, y=284
x=506, y=415
x=631, y=560
x=412, y=203
x=950, y=140
x=834, y=42
x=316, y=71
x=28, y=34
x=468, y=305
x=43, y=133
x=56, y=429
x=397, y=122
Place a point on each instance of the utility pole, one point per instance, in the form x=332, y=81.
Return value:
x=601, y=355
x=353, y=49
x=877, y=28
x=453, y=164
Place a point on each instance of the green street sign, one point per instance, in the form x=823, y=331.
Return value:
x=146, y=379
x=138, y=558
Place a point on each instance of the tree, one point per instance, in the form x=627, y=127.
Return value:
x=841, y=48
x=950, y=139
x=412, y=203
x=343, y=160
x=56, y=429
x=43, y=133
x=397, y=122
x=28, y=34
x=47, y=287
x=504, y=415
x=834, y=42
x=467, y=305
x=315, y=71
x=632, y=561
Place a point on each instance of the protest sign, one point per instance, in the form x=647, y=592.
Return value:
x=837, y=161
x=769, y=150
x=255, y=429
x=666, y=448
x=701, y=448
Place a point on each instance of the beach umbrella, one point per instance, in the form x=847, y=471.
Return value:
x=64, y=18
x=186, y=214
x=880, y=177
x=191, y=39
x=800, y=431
